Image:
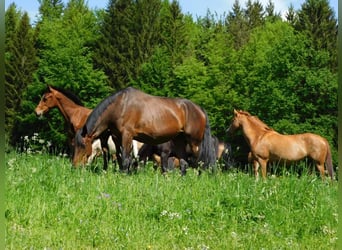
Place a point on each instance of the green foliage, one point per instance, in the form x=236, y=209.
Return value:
x=49, y=204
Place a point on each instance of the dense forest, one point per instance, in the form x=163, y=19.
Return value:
x=282, y=69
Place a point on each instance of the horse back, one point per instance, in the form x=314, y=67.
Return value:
x=292, y=147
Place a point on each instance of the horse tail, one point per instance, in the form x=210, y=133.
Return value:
x=207, y=153
x=328, y=162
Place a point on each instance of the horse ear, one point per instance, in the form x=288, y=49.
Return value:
x=51, y=88
x=235, y=112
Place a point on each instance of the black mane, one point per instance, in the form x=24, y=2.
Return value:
x=101, y=107
x=68, y=94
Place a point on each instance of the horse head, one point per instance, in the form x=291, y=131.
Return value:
x=83, y=147
x=236, y=123
x=47, y=102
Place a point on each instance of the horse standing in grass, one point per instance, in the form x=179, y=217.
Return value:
x=73, y=111
x=268, y=145
x=132, y=114
x=165, y=153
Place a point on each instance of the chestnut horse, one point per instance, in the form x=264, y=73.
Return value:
x=132, y=114
x=267, y=145
x=73, y=111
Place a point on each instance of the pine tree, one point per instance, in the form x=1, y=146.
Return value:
x=291, y=16
x=173, y=31
x=270, y=14
x=12, y=17
x=128, y=35
x=50, y=9
x=237, y=25
x=317, y=20
x=20, y=63
x=157, y=73
x=254, y=14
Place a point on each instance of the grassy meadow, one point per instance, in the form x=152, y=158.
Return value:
x=51, y=205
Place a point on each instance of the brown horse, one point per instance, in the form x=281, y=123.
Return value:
x=268, y=145
x=68, y=104
x=132, y=114
x=72, y=109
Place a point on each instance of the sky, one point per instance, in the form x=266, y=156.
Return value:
x=196, y=8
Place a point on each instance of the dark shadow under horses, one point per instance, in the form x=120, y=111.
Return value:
x=132, y=114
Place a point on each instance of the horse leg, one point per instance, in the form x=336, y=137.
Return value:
x=117, y=142
x=105, y=161
x=164, y=161
x=126, y=152
x=171, y=163
x=183, y=166
x=263, y=164
x=165, y=153
x=105, y=151
x=256, y=169
x=320, y=167
x=180, y=151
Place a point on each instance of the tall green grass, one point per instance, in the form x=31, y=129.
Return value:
x=51, y=205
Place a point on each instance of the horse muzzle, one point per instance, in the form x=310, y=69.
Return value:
x=39, y=112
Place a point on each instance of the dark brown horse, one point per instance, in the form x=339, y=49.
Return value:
x=164, y=155
x=268, y=145
x=73, y=111
x=132, y=114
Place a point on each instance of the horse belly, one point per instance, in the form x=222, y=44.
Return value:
x=287, y=151
x=158, y=130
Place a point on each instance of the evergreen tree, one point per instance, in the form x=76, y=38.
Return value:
x=291, y=16
x=50, y=9
x=254, y=14
x=270, y=14
x=316, y=19
x=173, y=29
x=111, y=50
x=128, y=35
x=157, y=73
x=146, y=30
x=237, y=25
x=20, y=63
x=12, y=17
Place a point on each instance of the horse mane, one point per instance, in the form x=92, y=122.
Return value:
x=256, y=120
x=102, y=106
x=68, y=94
x=261, y=123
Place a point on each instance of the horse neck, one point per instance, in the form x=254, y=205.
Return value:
x=252, y=131
x=69, y=110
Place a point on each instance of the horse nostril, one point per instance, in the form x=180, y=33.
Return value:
x=39, y=114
